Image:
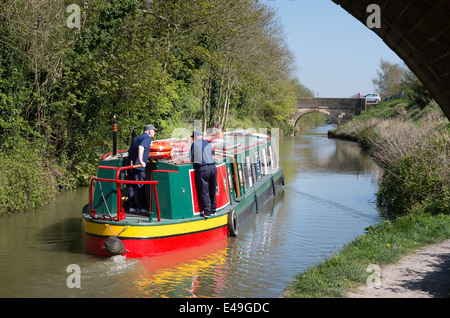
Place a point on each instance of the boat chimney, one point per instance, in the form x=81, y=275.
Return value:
x=115, y=136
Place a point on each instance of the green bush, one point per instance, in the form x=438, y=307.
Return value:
x=27, y=179
x=418, y=181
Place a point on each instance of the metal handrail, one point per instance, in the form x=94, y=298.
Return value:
x=120, y=211
x=111, y=153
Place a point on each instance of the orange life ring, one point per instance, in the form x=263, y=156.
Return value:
x=161, y=154
x=160, y=146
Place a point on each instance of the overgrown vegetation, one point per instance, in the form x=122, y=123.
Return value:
x=165, y=62
x=413, y=145
x=26, y=179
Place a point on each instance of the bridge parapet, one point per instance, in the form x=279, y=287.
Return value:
x=340, y=109
x=332, y=103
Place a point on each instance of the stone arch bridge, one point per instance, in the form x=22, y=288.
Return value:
x=340, y=109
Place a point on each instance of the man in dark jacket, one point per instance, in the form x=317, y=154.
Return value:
x=205, y=174
x=138, y=155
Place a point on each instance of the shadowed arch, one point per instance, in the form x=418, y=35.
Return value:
x=306, y=112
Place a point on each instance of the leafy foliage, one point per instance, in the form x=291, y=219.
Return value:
x=165, y=62
x=418, y=181
x=27, y=180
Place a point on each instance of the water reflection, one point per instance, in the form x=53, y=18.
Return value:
x=326, y=202
x=199, y=272
x=64, y=235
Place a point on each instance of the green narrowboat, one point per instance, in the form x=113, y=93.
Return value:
x=248, y=173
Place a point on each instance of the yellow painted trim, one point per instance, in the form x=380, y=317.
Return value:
x=154, y=230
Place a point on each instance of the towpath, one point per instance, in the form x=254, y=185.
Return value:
x=422, y=274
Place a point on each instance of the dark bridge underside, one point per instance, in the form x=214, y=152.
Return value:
x=419, y=32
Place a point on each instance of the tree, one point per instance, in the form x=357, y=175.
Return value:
x=36, y=44
x=390, y=77
x=166, y=62
x=415, y=90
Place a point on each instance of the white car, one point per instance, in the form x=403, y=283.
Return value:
x=373, y=98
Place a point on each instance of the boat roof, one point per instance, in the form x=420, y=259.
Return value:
x=223, y=144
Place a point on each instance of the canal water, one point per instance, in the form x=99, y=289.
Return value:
x=327, y=201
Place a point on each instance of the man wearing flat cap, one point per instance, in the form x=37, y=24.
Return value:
x=205, y=174
x=138, y=155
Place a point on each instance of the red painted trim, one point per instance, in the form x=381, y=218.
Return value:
x=222, y=198
x=154, y=247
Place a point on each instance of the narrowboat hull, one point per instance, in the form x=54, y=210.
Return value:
x=179, y=225
x=142, y=241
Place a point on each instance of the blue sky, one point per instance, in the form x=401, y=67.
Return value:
x=336, y=55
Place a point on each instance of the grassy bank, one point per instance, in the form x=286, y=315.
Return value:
x=384, y=243
x=413, y=145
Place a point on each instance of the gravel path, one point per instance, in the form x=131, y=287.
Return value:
x=423, y=274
